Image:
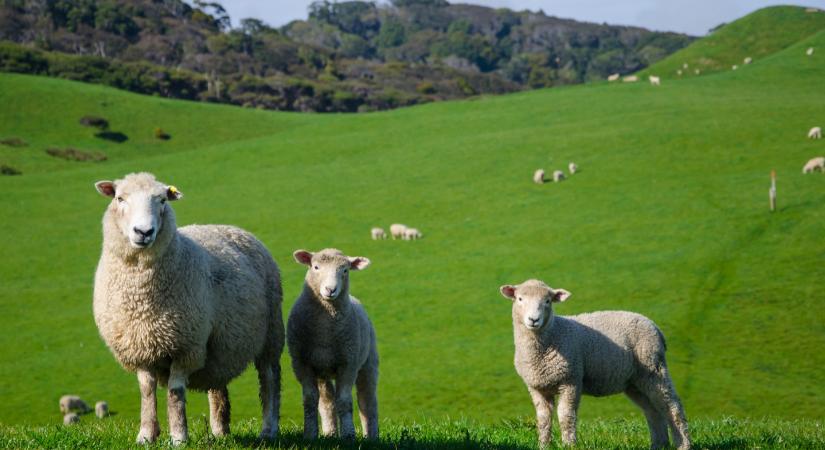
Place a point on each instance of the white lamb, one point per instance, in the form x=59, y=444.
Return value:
x=815, y=133
x=73, y=403
x=748, y=60
x=71, y=419
x=613, y=77
x=101, y=409
x=412, y=234
x=331, y=338
x=697, y=71
x=685, y=65
x=187, y=308
x=558, y=176
x=538, y=176
x=378, y=233
x=596, y=354
x=572, y=167
x=679, y=72
x=655, y=81
x=814, y=164
x=630, y=79
x=734, y=67
x=810, y=51
x=397, y=230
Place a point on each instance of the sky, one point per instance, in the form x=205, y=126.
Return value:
x=693, y=17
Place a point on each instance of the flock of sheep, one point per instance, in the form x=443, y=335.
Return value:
x=191, y=307
x=72, y=406
x=558, y=175
x=397, y=231
x=819, y=161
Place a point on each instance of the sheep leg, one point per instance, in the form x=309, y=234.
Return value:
x=149, y=427
x=219, y=411
x=544, y=415
x=176, y=405
x=344, y=382
x=569, y=397
x=310, y=394
x=663, y=397
x=656, y=422
x=367, y=386
x=269, y=391
x=329, y=421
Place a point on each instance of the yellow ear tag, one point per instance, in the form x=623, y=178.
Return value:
x=173, y=189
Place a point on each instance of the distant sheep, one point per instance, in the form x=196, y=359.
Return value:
x=572, y=167
x=412, y=234
x=748, y=60
x=397, y=230
x=599, y=354
x=101, y=409
x=734, y=67
x=71, y=419
x=558, y=176
x=685, y=65
x=811, y=10
x=73, y=403
x=679, y=72
x=697, y=71
x=613, y=77
x=654, y=81
x=810, y=51
x=814, y=164
x=378, y=233
x=630, y=79
x=538, y=176
x=815, y=133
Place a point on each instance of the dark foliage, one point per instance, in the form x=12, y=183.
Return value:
x=73, y=154
x=13, y=142
x=9, y=170
x=94, y=121
x=114, y=136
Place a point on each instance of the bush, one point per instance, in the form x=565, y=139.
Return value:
x=13, y=142
x=425, y=87
x=9, y=170
x=73, y=154
x=94, y=121
x=162, y=135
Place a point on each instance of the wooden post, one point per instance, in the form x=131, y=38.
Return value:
x=772, y=191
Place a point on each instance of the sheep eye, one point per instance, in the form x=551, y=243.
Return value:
x=345, y=270
x=316, y=267
x=519, y=299
x=120, y=200
x=162, y=201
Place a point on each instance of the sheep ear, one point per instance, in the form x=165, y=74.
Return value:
x=358, y=263
x=303, y=257
x=560, y=295
x=508, y=291
x=172, y=193
x=105, y=188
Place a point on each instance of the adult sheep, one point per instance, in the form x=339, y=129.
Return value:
x=397, y=230
x=654, y=81
x=538, y=176
x=188, y=307
x=814, y=164
x=815, y=133
x=73, y=403
x=378, y=233
x=558, y=176
x=597, y=354
x=412, y=234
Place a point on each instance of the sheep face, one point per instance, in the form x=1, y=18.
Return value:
x=532, y=303
x=328, y=273
x=138, y=204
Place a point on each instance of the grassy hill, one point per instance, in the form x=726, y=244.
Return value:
x=668, y=218
x=756, y=35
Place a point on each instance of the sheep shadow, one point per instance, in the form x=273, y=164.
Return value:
x=113, y=136
x=406, y=441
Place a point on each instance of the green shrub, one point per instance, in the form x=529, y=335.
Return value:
x=9, y=170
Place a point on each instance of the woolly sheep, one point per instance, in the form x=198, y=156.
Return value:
x=810, y=51
x=397, y=230
x=411, y=234
x=813, y=164
x=748, y=60
x=734, y=67
x=811, y=10
x=538, y=176
x=630, y=79
x=71, y=419
x=596, y=354
x=685, y=65
x=572, y=167
x=73, y=403
x=655, y=81
x=613, y=77
x=330, y=338
x=697, y=71
x=188, y=307
x=558, y=176
x=101, y=409
x=679, y=72
x=815, y=133
x=378, y=233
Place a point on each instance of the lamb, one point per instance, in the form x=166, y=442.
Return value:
x=813, y=164
x=397, y=230
x=630, y=79
x=378, y=233
x=538, y=176
x=596, y=354
x=810, y=51
x=613, y=77
x=734, y=67
x=71, y=419
x=330, y=338
x=572, y=167
x=679, y=72
x=186, y=308
x=101, y=409
x=655, y=81
x=697, y=71
x=73, y=403
x=685, y=65
x=815, y=133
x=748, y=60
x=558, y=176
x=412, y=234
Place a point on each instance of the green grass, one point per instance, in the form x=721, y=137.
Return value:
x=668, y=218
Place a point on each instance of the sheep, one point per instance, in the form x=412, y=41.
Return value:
x=598, y=354
x=815, y=133
x=679, y=72
x=412, y=234
x=613, y=77
x=748, y=60
x=538, y=176
x=734, y=67
x=330, y=338
x=685, y=65
x=397, y=230
x=558, y=176
x=186, y=308
x=101, y=409
x=73, y=403
x=654, y=80
x=813, y=164
x=810, y=51
x=71, y=419
x=378, y=233
x=697, y=71
x=630, y=79
x=572, y=167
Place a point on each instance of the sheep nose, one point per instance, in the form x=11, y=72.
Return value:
x=146, y=233
x=329, y=289
x=533, y=321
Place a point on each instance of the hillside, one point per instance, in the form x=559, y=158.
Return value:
x=756, y=35
x=668, y=218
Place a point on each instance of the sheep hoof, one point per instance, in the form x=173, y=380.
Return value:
x=268, y=435
x=178, y=441
x=146, y=437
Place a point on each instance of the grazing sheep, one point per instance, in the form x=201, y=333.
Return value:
x=71, y=419
x=330, y=338
x=697, y=71
x=734, y=67
x=186, y=308
x=685, y=65
x=679, y=72
x=572, y=167
x=748, y=60
x=538, y=176
x=655, y=81
x=810, y=51
x=613, y=77
x=596, y=354
x=412, y=234
x=101, y=409
x=813, y=164
x=811, y=10
x=630, y=79
x=397, y=230
x=558, y=176
x=73, y=403
x=378, y=233
x=815, y=133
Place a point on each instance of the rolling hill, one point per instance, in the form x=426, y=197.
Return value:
x=668, y=217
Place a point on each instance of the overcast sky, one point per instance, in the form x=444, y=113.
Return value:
x=688, y=16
